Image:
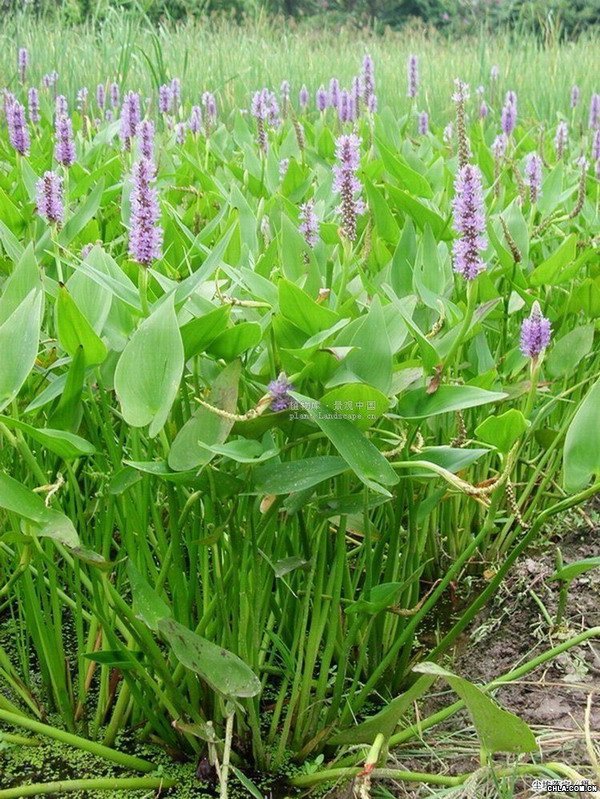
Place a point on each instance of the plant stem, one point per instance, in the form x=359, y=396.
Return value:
x=128, y=761
x=99, y=784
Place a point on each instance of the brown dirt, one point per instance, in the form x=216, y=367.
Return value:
x=506, y=634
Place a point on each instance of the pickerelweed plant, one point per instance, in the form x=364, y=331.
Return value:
x=259, y=424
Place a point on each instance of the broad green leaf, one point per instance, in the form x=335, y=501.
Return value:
x=453, y=459
x=570, y=571
x=357, y=402
x=581, y=457
x=386, y=721
x=303, y=311
x=417, y=404
x=498, y=730
x=24, y=278
x=198, y=333
x=82, y=215
x=205, y=428
x=244, y=450
x=147, y=605
x=49, y=523
x=548, y=272
x=386, y=225
x=360, y=454
x=75, y=331
x=235, y=340
x=19, y=340
x=149, y=370
x=294, y=476
x=66, y=445
x=504, y=430
x=223, y=671
x=568, y=351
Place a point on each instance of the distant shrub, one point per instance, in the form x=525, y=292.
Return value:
x=547, y=18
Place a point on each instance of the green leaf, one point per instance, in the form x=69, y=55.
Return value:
x=385, y=224
x=581, y=456
x=504, y=430
x=149, y=370
x=19, y=340
x=569, y=350
x=235, y=340
x=24, y=278
x=417, y=404
x=49, y=523
x=223, y=671
x=75, y=331
x=570, y=571
x=357, y=402
x=360, y=454
x=205, y=428
x=453, y=459
x=548, y=272
x=82, y=216
x=198, y=333
x=147, y=605
x=498, y=730
x=386, y=721
x=303, y=311
x=66, y=445
x=294, y=476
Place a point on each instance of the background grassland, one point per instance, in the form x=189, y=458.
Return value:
x=235, y=60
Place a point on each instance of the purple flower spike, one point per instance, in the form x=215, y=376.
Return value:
x=413, y=76
x=372, y=104
x=483, y=110
x=18, y=132
x=594, y=120
x=145, y=235
x=180, y=131
x=334, y=92
x=356, y=94
x=596, y=146
x=33, y=101
x=535, y=333
x=309, y=224
x=509, y=113
x=260, y=112
x=130, y=118
x=423, y=123
x=209, y=104
x=367, y=79
x=303, y=98
x=22, y=62
x=495, y=72
x=279, y=392
x=100, y=96
x=561, y=139
x=115, y=95
x=61, y=106
x=50, y=204
x=195, y=121
x=469, y=223
x=499, y=146
x=146, y=139
x=82, y=98
x=284, y=93
x=64, y=147
x=321, y=99
x=49, y=80
x=533, y=176
x=164, y=99
x=575, y=96
x=283, y=167
x=175, y=95
x=346, y=184
x=343, y=106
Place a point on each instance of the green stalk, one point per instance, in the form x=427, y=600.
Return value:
x=98, y=784
x=104, y=752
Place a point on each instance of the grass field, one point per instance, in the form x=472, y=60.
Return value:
x=234, y=61
x=294, y=401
